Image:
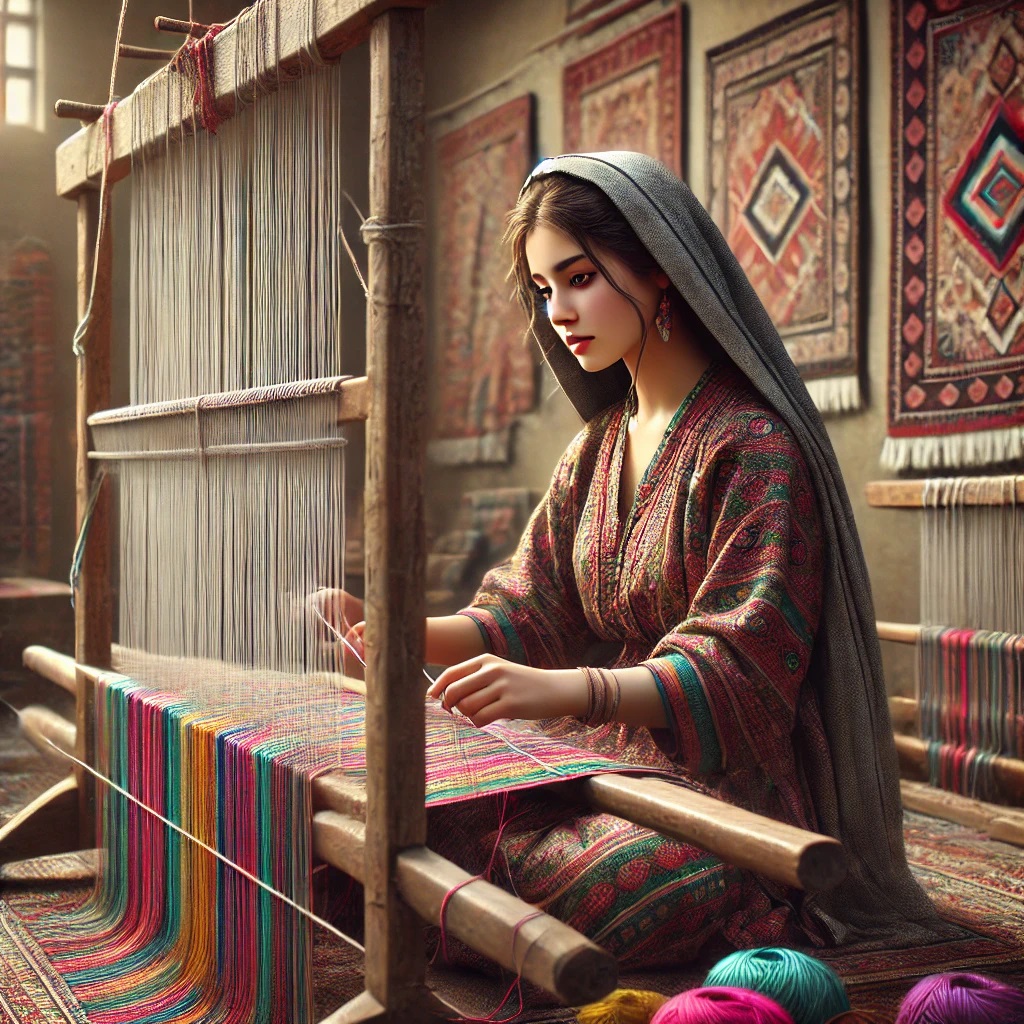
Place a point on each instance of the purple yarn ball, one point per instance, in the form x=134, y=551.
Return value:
x=962, y=998
x=717, y=1004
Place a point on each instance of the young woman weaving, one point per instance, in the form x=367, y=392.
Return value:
x=689, y=595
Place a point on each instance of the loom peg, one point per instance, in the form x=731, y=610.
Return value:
x=492, y=921
x=87, y=112
x=144, y=53
x=45, y=729
x=195, y=29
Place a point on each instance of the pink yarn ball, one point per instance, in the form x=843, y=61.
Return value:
x=961, y=998
x=717, y=1004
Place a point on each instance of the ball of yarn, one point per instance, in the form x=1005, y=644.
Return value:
x=809, y=989
x=961, y=998
x=721, y=1005
x=623, y=1006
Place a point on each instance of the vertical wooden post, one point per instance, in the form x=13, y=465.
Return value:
x=395, y=740
x=93, y=626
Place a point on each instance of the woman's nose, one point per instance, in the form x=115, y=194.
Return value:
x=560, y=311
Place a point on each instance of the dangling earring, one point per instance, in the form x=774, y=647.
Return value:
x=663, y=321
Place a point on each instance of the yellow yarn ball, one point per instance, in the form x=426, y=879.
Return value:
x=623, y=1006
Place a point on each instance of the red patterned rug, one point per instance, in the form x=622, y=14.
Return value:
x=956, y=377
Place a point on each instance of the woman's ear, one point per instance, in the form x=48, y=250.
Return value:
x=661, y=279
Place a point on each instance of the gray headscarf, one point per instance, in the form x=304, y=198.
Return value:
x=857, y=795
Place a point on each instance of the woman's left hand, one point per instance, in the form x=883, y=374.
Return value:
x=486, y=688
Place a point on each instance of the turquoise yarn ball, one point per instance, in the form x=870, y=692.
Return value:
x=810, y=990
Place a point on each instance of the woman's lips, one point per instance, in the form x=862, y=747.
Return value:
x=579, y=345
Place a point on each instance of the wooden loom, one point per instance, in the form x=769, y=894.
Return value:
x=1000, y=822
x=376, y=835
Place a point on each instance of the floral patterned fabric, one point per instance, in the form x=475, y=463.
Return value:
x=713, y=581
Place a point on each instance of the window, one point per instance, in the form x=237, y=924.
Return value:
x=19, y=48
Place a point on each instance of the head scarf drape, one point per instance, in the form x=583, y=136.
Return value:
x=856, y=791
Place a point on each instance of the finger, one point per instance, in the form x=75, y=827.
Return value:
x=453, y=673
x=489, y=712
x=471, y=693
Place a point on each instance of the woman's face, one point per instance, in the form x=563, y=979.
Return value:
x=599, y=325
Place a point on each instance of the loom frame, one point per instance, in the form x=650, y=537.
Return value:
x=377, y=835
x=1001, y=822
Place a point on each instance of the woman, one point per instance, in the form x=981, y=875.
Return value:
x=697, y=545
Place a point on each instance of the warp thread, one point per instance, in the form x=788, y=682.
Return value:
x=721, y=1005
x=809, y=989
x=961, y=998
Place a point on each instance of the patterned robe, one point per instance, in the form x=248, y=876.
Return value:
x=713, y=582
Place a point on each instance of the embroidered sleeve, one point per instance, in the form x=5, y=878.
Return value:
x=730, y=673
x=528, y=608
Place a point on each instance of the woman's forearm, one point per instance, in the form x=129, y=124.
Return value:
x=452, y=639
x=640, y=702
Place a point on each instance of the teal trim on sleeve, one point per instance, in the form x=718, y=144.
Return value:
x=488, y=646
x=710, y=749
x=508, y=631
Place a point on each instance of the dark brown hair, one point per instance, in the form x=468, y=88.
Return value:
x=584, y=213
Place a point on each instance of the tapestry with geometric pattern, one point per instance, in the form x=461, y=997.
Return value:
x=956, y=377
x=783, y=184
x=488, y=372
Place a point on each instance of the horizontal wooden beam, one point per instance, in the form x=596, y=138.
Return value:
x=899, y=632
x=46, y=729
x=1004, y=823
x=1008, y=772
x=793, y=856
x=353, y=396
x=58, y=668
x=340, y=25
x=490, y=920
x=975, y=490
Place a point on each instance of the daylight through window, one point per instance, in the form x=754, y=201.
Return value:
x=19, y=75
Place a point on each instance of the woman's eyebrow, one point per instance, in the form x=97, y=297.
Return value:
x=567, y=262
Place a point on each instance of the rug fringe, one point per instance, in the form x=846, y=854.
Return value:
x=835, y=394
x=975, y=448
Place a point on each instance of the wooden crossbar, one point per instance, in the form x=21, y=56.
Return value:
x=340, y=25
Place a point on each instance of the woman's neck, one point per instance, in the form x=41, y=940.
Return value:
x=666, y=374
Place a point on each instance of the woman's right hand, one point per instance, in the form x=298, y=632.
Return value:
x=338, y=607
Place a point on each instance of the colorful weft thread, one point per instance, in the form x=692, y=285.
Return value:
x=721, y=1005
x=970, y=692
x=623, y=1006
x=173, y=933
x=961, y=998
x=807, y=988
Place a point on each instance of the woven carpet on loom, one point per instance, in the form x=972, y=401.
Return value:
x=976, y=882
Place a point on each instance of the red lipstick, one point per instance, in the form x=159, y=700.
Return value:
x=578, y=346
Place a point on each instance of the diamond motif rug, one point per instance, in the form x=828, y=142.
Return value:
x=783, y=183
x=956, y=377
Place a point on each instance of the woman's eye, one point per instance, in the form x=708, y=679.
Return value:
x=579, y=280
